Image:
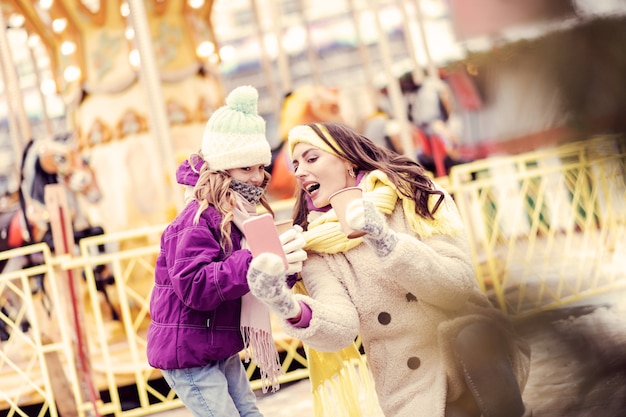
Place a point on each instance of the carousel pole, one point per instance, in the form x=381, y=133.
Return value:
x=150, y=78
x=432, y=68
x=265, y=62
x=416, y=72
x=364, y=56
x=315, y=73
x=398, y=103
x=42, y=97
x=19, y=128
x=283, y=60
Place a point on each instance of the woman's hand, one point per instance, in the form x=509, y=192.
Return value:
x=266, y=279
x=362, y=215
x=293, y=241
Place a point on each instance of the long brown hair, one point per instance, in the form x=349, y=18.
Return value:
x=409, y=177
x=213, y=188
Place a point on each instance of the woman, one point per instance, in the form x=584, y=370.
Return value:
x=435, y=344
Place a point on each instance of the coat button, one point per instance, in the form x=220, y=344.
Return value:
x=413, y=362
x=384, y=318
x=410, y=297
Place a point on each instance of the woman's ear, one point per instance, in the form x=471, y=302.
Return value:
x=351, y=172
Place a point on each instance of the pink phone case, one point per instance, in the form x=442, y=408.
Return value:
x=262, y=236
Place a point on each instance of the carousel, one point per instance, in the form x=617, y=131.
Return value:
x=136, y=82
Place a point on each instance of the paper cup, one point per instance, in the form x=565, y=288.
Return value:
x=339, y=201
x=283, y=225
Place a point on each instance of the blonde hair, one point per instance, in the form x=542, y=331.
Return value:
x=213, y=189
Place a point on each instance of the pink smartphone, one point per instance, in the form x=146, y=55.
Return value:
x=262, y=236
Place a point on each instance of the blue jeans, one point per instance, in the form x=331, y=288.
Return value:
x=219, y=389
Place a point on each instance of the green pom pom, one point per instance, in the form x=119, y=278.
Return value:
x=243, y=99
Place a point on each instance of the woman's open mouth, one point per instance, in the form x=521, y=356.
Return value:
x=311, y=188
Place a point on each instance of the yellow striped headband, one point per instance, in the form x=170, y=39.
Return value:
x=305, y=134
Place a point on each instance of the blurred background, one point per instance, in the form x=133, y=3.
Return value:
x=136, y=80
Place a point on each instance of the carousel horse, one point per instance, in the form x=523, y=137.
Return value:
x=52, y=161
x=305, y=104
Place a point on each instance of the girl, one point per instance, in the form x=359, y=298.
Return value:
x=200, y=298
x=436, y=345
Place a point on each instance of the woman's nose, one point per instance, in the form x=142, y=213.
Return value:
x=298, y=172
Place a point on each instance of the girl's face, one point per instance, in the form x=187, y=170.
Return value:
x=320, y=173
x=253, y=175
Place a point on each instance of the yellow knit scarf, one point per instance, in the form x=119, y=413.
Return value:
x=336, y=376
x=324, y=233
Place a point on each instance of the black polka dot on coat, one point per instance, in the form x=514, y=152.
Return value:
x=384, y=318
x=410, y=297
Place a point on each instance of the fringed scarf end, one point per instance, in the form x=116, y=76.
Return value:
x=343, y=394
x=259, y=346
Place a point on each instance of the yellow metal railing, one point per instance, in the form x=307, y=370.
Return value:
x=37, y=366
x=546, y=228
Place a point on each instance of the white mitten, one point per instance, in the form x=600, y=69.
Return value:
x=293, y=241
x=266, y=279
x=362, y=215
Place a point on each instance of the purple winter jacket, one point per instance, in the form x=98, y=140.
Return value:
x=195, y=304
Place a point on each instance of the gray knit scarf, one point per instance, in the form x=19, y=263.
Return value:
x=251, y=193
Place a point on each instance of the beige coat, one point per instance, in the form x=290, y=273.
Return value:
x=407, y=308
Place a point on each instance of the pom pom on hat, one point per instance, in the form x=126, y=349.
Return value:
x=234, y=136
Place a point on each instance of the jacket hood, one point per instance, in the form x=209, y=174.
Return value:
x=186, y=175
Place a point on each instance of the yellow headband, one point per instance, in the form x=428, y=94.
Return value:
x=305, y=134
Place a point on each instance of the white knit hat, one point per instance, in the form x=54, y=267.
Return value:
x=234, y=136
